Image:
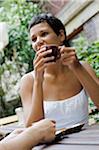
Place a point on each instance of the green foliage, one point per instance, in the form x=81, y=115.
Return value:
x=89, y=53
x=17, y=58
x=18, y=14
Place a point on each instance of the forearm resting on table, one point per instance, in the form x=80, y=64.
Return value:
x=37, y=112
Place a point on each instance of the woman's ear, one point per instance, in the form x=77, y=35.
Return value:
x=61, y=35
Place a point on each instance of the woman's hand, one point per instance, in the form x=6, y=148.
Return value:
x=41, y=61
x=69, y=57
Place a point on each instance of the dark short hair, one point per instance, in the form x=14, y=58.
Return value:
x=53, y=22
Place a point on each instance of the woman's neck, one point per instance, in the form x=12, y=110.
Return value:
x=56, y=69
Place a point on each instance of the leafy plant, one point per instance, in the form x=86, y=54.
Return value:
x=16, y=59
x=89, y=53
x=19, y=47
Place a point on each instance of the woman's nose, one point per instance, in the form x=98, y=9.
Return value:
x=39, y=42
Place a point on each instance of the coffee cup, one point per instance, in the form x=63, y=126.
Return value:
x=55, y=52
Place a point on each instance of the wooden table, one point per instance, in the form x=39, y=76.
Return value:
x=8, y=120
x=87, y=139
x=8, y=124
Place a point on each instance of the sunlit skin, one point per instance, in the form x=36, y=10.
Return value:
x=41, y=34
x=67, y=71
x=25, y=139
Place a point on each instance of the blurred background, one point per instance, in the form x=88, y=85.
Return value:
x=81, y=19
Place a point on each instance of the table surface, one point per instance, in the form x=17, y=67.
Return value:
x=9, y=119
x=84, y=140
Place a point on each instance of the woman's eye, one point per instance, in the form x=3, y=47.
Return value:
x=44, y=33
x=34, y=39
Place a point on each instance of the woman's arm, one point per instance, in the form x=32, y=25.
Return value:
x=32, y=99
x=31, y=90
x=88, y=79
x=36, y=111
x=82, y=71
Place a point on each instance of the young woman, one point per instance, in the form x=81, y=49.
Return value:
x=57, y=88
x=41, y=132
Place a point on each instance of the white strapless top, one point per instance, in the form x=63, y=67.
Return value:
x=69, y=111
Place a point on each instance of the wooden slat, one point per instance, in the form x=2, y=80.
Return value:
x=8, y=120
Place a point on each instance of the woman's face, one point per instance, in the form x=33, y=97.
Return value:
x=42, y=34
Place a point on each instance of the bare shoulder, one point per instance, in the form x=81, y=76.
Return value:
x=26, y=83
x=27, y=77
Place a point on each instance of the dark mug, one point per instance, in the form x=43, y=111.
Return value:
x=55, y=52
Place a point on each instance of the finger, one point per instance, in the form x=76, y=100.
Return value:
x=39, y=63
x=45, y=53
x=49, y=59
x=67, y=49
x=67, y=55
x=44, y=50
x=40, y=51
x=42, y=55
x=68, y=61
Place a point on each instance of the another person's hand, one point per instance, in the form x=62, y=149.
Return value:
x=13, y=134
x=41, y=132
x=47, y=129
